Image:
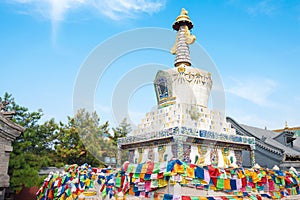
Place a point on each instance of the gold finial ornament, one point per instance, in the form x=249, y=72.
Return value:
x=184, y=11
x=190, y=39
x=183, y=18
x=184, y=38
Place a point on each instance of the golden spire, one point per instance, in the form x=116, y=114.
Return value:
x=183, y=18
x=182, y=25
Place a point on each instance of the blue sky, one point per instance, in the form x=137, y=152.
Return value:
x=254, y=44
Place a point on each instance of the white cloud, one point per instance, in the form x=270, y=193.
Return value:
x=118, y=9
x=266, y=7
x=258, y=7
x=256, y=90
x=114, y=9
x=56, y=10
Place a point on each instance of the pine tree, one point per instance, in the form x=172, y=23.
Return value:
x=32, y=149
x=121, y=131
x=82, y=139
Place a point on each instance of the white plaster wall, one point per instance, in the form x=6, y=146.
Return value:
x=194, y=153
x=231, y=153
x=202, y=94
x=220, y=159
x=145, y=155
x=155, y=150
x=184, y=93
x=136, y=155
x=207, y=161
x=207, y=157
x=167, y=117
x=168, y=152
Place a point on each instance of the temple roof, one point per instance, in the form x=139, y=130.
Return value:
x=9, y=130
x=297, y=144
x=296, y=130
x=269, y=138
x=266, y=138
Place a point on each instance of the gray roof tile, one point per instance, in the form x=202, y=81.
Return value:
x=269, y=135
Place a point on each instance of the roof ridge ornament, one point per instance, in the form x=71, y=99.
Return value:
x=286, y=125
x=3, y=110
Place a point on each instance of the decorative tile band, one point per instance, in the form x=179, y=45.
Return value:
x=203, y=134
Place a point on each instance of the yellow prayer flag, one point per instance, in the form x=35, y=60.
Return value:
x=190, y=172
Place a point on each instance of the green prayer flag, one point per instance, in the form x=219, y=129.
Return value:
x=118, y=182
x=68, y=192
x=220, y=183
x=104, y=192
x=231, y=198
x=129, y=169
x=63, y=179
x=277, y=194
x=133, y=168
x=154, y=183
x=136, y=175
x=253, y=197
x=223, y=176
x=50, y=184
x=194, y=198
x=156, y=168
x=196, y=181
x=283, y=181
x=167, y=173
x=294, y=191
x=55, y=192
x=82, y=178
x=92, y=184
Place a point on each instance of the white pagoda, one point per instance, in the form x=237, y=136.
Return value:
x=183, y=126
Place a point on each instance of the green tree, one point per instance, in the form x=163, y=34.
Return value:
x=32, y=149
x=122, y=130
x=82, y=139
